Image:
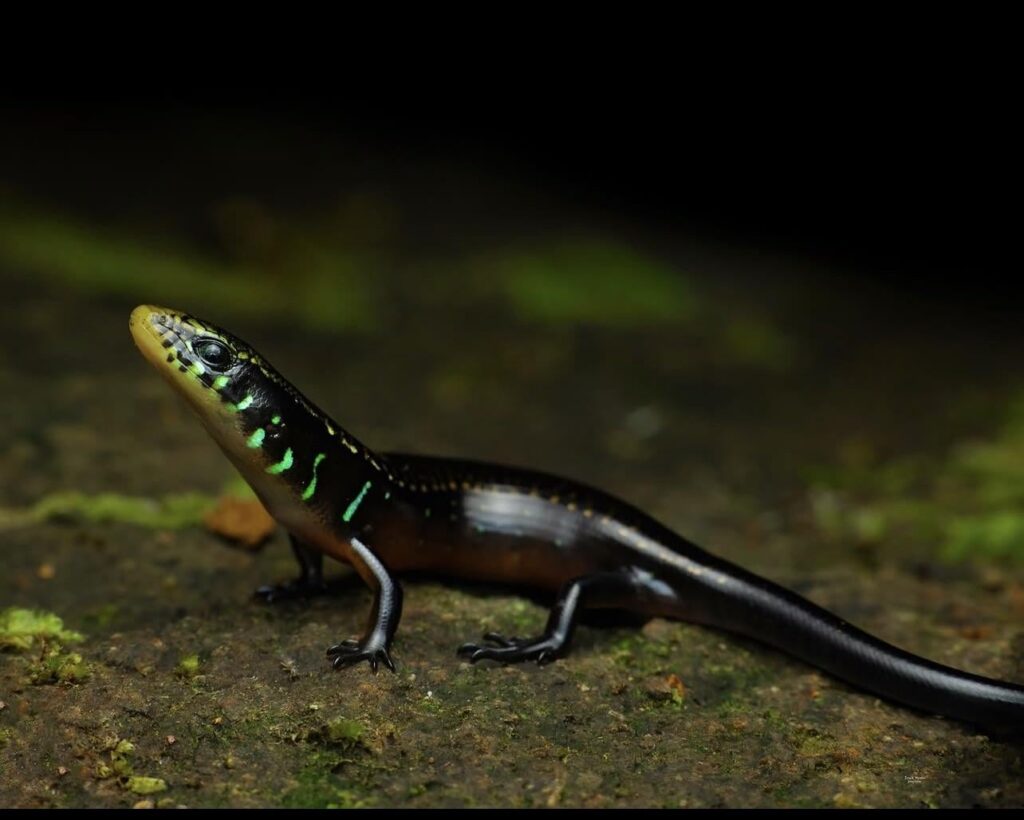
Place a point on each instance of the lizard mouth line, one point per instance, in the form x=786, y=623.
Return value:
x=148, y=338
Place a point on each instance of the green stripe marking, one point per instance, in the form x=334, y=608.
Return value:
x=311, y=487
x=256, y=439
x=275, y=420
x=244, y=403
x=283, y=464
x=356, y=502
x=221, y=382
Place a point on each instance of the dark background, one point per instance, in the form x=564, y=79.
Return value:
x=904, y=170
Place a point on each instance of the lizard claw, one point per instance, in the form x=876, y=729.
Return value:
x=511, y=650
x=350, y=652
x=500, y=640
x=298, y=588
x=340, y=648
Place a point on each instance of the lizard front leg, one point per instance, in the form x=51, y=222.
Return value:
x=375, y=643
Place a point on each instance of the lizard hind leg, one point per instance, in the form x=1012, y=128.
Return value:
x=601, y=590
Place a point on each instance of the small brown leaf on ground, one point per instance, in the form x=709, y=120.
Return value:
x=1015, y=592
x=847, y=755
x=243, y=521
x=46, y=571
x=665, y=688
x=976, y=633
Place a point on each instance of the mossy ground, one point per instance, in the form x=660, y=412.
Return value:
x=727, y=407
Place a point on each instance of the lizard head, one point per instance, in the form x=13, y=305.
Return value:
x=276, y=438
x=257, y=417
x=217, y=373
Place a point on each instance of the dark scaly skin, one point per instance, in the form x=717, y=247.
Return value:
x=392, y=513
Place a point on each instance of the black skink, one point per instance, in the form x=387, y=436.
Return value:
x=392, y=513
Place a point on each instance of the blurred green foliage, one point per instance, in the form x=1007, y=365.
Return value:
x=968, y=503
x=597, y=282
x=342, y=270
x=300, y=276
x=170, y=512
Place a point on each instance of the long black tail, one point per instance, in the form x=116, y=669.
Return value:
x=752, y=606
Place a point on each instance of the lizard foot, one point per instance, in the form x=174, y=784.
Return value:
x=512, y=650
x=299, y=588
x=350, y=652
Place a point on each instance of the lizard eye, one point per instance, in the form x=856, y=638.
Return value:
x=214, y=353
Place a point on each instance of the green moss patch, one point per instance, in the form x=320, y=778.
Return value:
x=969, y=502
x=318, y=791
x=57, y=666
x=169, y=512
x=188, y=666
x=138, y=784
x=25, y=628
x=121, y=765
x=343, y=731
